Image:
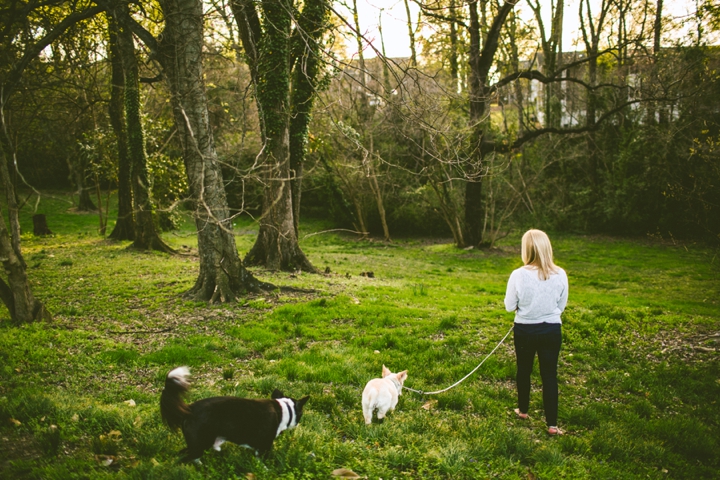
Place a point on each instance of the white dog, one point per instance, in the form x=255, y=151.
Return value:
x=382, y=394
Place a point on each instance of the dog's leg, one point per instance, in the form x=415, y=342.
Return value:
x=197, y=442
x=192, y=457
x=368, y=414
x=263, y=448
x=381, y=413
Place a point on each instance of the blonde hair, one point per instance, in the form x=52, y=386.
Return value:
x=537, y=252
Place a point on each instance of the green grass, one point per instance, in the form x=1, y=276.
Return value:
x=639, y=367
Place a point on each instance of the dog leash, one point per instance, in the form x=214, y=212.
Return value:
x=466, y=376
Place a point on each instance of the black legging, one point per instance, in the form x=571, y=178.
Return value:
x=547, y=347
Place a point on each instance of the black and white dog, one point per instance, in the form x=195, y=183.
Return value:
x=212, y=421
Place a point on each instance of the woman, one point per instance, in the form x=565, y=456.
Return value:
x=537, y=293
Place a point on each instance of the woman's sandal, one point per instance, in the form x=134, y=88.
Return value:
x=520, y=415
x=554, y=431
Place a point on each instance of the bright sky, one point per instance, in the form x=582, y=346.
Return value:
x=397, y=43
x=394, y=26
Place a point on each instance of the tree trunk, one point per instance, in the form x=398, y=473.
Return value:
x=222, y=274
x=657, y=27
x=480, y=64
x=515, y=63
x=146, y=236
x=411, y=35
x=385, y=67
x=454, y=47
x=473, y=185
x=77, y=172
x=306, y=65
x=125, y=225
x=15, y=292
x=40, y=226
x=447, y=209
x=657, y=31
x=591, y=29
x=276, y=246
x=375, y=187
x=550, y=48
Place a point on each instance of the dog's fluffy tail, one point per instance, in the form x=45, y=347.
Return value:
x=173, y=408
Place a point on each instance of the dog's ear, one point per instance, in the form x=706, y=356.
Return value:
x=385, y=371
x=277, y=394
x=402, y=376
x=299, y=404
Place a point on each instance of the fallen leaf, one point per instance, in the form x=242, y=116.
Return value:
x=105, y=460
x=250, y=476
x=75, y=417
x=15, y=422
x=138, y=421
x=430, y=404
x=344, y=473
x=154, y=462
x=131, y=402
x=115, y=433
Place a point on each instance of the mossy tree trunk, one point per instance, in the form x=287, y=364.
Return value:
x=306, y=66
x=284, y=65
x=125, y=225
x=146, y=236
x=223, y=277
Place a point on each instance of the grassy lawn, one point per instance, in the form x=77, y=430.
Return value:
x=639, y=368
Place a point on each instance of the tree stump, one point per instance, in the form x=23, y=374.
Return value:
x=40, y=227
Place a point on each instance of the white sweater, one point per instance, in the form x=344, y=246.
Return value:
x=534, y=300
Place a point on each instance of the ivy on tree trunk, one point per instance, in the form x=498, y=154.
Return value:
x=284, y=66
x=146, y=236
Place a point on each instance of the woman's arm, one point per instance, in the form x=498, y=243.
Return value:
x=562, y=301
x=511, y=294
